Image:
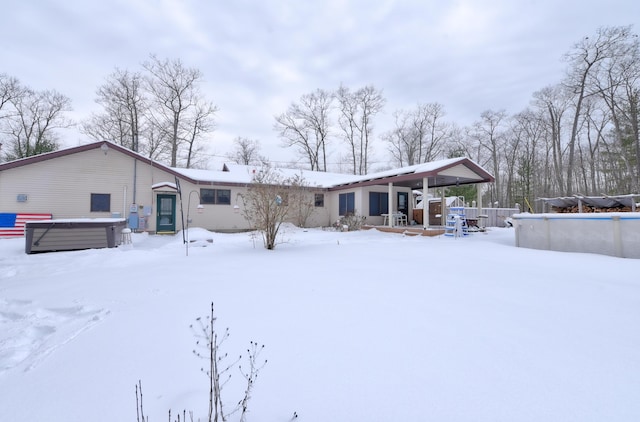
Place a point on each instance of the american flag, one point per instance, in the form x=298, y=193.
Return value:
x=12, y=225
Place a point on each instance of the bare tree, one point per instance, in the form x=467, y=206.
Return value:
x=526, y=176
x=488, y=133
x=419, y=135
x=618, y=83
x=157, y=145
x=123, y=99
x=357, y=110
x=246, y=151
x=266, y=204
x=31, y=130
x=10, y=88
x=585, y=60
x=401, y=142
x=305, y=125
x=103, y=127
x=432, y=130
x=174, y=91
x=198, y=123
x=554, y=103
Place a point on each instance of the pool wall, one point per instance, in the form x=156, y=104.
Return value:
x=615, y=234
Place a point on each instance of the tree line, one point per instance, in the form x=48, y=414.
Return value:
x=159, y=111
x=581, y=135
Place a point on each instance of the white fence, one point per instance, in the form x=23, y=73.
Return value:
x=615, y=234
x=495, y=216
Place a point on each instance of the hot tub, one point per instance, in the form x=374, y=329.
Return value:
x=73, y=234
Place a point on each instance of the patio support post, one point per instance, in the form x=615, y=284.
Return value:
x=443, y=208
x=479, y=199
x=425, y=203
x=390, y=201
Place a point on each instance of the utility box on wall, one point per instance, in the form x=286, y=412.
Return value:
x=133, y=217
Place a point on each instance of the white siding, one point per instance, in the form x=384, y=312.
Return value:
x=63, y=186
x=222, y=217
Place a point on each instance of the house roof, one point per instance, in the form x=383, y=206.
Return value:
x=454, y=171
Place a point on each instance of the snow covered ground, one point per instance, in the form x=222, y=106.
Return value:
x=360, y=326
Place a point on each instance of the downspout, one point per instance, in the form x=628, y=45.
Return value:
x=135, y=176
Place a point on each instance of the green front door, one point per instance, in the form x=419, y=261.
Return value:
x=166, y=216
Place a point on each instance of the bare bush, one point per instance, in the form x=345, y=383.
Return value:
x=267, y=204
x=218, y=371
x=301, y=201
x=351, y=221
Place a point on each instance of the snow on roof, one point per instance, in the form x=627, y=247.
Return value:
x=243, y=174
x=164, y=184
x=417, y=168
x=448, y=201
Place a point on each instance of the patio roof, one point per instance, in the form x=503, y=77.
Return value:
x=450, y=172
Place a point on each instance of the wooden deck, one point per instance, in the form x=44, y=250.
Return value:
x=408, y=230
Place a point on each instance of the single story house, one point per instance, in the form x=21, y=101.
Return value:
x=103, y=179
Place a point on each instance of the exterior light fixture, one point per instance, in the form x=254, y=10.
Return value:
x=104, y=148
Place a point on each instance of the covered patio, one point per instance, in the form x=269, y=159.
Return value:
x=450, y=172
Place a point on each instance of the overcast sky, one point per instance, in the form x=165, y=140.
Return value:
x=259, y=56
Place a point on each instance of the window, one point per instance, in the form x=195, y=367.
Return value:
x=223, y=196
x=215, y=196
x=346, y=203
x=378, y=203
x=100, y=202
x=207, y=196
x=319, y=200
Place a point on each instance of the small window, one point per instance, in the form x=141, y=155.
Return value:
x=215, y=196
x=319, y=200
x=100, y=202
